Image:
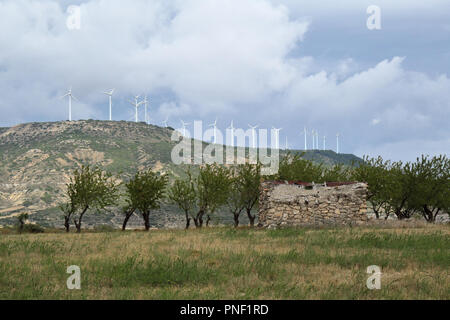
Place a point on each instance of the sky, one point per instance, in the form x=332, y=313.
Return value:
x=287, y=64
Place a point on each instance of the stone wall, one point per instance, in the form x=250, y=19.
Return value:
x=302, y=204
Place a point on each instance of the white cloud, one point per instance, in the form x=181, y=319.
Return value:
x=235, y=59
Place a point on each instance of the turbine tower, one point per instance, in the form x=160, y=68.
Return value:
x=324, y=143
x=145, y=102
x=165, y=122
x=214, y=125
x=232, y=133
x=313, y=136
x=277, y=137
x=71, y=96
x=110, y=94
x=317, y=140
x=136, y=104
x=305, y=133
x=254, y=134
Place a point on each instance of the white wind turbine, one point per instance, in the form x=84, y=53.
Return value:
x=277, y=137
x=136, y=104
x=184, y=125
x=317, y=140
x=110, y=94
x=313, y=136
x=166, y=122
x=232, y=132
x=145, y=102
x=214, y=125
x=324, y=143
x=305, y=133
x=254, y=134
x=71, y=96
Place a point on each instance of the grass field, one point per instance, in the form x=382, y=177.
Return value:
x=223, y=263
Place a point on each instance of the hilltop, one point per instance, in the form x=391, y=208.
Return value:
x=37, y=159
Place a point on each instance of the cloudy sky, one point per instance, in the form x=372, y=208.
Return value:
x=282, y=63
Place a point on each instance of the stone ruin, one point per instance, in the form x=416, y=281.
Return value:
x=284, y=204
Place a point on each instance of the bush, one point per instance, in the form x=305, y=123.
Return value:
x=33, y=228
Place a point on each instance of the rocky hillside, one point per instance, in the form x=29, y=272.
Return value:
x=36, y=160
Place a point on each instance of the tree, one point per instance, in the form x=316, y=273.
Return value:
x=68, y=209
x=431, y=194
x=143, y=194
x=249, y=181
x=374, y=172
x=337, y=173
x=211, y=188
x=235, y=200
x=182, y=193
x=294, y=167
x=21, y=220
x=89, y=188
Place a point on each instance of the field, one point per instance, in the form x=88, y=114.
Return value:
x=223, y=263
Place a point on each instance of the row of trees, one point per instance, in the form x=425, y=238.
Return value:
x=216, y=186
x=199, y=197
x=395, y=188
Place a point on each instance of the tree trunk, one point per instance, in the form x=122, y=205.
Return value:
x=78, y=223
x=188, y=220
x=199, y=220
x=146, y=220
x=251, y=218
x=67, y=223
x=208, y=219
x=127, y=217
x=430, y=214
x=236, y=219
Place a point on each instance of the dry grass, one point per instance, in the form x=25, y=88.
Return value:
x=224, y=263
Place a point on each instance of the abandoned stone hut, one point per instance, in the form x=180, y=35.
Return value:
x=302, y=204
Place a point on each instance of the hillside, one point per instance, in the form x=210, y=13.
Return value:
x=36, y=160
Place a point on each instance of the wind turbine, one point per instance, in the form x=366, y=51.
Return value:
x=214, y=125
x=305, y=133
x=184, y=124
x=277, y=137
x=71, y=96
x=313, y=136
x=165, y=122
x=232, y=133
x=136, y=104
x=145, y=102
x=110, y=94
x=317, y=140
x=324, y=143
x=254, y=134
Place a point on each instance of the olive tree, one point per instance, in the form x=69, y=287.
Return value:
x=249, y=179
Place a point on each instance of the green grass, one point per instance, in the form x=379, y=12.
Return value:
x=224, y=263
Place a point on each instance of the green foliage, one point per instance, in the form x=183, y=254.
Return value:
x=89, y=188
x=144, y=193
x=182, y=193
x=404, y=189
x=295, y=167
x=249, y=180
